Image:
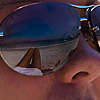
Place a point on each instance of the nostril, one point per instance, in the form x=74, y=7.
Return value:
x=80, y=74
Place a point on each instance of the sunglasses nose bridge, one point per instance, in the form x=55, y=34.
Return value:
x=83, y=19
x=81, y=7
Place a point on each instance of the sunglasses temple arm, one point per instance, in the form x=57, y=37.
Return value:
x=95, y=41
x=93, y=34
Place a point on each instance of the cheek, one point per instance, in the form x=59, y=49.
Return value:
x=37, y=89
x=26, y=88
x=96, y=84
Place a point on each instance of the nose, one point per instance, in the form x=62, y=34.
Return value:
x=83, y=66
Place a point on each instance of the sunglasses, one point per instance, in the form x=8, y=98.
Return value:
x=52, y=27
x=93, y=35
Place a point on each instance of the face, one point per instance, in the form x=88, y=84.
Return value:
x=78, y=79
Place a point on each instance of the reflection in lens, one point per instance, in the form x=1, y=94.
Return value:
x=28, y=71
x=51, y=27
x=51, y=56
x=95, y=18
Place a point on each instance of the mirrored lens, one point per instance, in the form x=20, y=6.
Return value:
x=39, y=38
x=95, y=18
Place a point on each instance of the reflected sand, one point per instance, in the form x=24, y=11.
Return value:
x=42, y=59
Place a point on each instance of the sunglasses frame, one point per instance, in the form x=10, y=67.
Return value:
x=92, y=29
x=69, y=55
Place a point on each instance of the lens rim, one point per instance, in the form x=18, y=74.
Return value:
x=77, y=33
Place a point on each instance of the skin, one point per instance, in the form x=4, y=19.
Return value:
x=78, y=80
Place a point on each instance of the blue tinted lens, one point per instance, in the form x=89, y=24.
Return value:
x=40, y=22
x=52, y=27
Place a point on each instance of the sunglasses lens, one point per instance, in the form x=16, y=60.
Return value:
x=95, y=18
x=51, y=29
